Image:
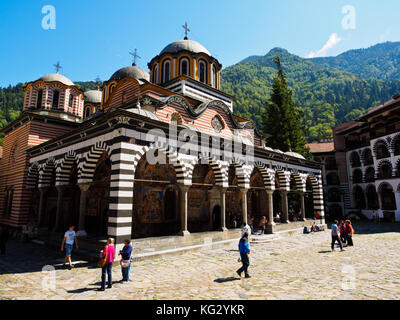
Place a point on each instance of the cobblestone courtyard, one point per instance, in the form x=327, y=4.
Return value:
x=295, y=267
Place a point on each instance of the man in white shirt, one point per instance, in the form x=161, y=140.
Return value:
x=69, y=240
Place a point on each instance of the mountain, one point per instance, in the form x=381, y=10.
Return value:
x=381, y=61
x=329, y=96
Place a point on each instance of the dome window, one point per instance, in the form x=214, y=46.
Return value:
x=184, y=67
x=111, y=90
x=202, y=72
x=39, y=99
x=87, y=112
x=56, y=98
x=166, y=71
x=214, y=77
x=71, y=101
x=155, y=74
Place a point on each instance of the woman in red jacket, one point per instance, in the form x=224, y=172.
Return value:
x=350, y=232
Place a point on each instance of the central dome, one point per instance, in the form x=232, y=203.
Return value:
x=131, y=72
x=52, y=77
x=188, y=45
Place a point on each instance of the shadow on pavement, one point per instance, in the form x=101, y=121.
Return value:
x=230, y=279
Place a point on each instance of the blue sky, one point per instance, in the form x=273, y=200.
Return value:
x=93, y=37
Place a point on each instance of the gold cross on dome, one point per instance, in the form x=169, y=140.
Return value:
x=135, y=56
x=186, y=27
x=57, y=66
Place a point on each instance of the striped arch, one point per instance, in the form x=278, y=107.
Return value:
x=46, y=173
x=89, y=165
x=382, y=163
x=300, y=183
x=378, y=143
x=33, y=176
x=173, y=158
x=283, y=179
x=221, y=179
x=393, y=142
x=267, y=175
x=318, y=196
x=62, y=177
x=243, y=178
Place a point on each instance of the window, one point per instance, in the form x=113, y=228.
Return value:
x=14, y=154
x=71, y=101
x=39, y=99
x=202, y=72
x=111, y=89
x=56, y=97
x=8, y=201
x=166, y=71
x=155, y=74
x=87, y=112
x=214, y=77
x=184, y=67
x=217, y=124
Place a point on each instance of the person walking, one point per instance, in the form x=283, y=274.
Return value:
x=108, y=254
x=126, y=255
x=343, y=231
x=69, y=240
x=3, y=240
x=350, y=232
x=336, y=236
x=244, y=250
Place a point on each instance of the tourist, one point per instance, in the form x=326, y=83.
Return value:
x=263, y=223
x=343, y=231
x=278, y=217
x=3, y=239
x=350, y=232
x=336, y=236
x=244, y=250
x=69, y=240
x=246, y=229
x=126, y=255
x=108, y=254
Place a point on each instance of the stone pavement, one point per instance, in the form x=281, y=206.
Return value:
x=295, y=267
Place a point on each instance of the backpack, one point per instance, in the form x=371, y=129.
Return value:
x=305, y=230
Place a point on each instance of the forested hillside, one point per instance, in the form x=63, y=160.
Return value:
x=328, y=96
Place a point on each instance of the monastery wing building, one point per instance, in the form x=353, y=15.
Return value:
x=84, y=158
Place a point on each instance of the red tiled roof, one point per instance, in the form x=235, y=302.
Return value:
x=323, y=147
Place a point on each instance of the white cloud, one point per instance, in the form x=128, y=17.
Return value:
x=334, y=39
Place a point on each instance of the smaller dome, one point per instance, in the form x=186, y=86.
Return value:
x=295, y=155
x=131, y=72
x=57, y=77
x=188, y=45
x=93, y=96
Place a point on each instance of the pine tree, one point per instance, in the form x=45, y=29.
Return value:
x=283, y=118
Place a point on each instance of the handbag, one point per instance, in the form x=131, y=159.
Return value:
x=125, y=263
x=103, y=261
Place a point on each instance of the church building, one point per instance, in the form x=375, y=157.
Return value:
x=151, y=154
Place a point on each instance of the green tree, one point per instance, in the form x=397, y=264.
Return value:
x=283, y=118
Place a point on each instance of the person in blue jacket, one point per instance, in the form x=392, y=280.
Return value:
x=244, y=250
x=126, y=254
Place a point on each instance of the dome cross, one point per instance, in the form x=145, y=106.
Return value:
x=187, y=30
x=58, y=66
x=135, y=56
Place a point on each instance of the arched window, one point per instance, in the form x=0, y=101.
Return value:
x=39, y=99
x=166, y=71
x=396, y=146
x=71, y=101
x=184, y=67
x=355, y=160
x=214, y=77
x=370, y=175
x=385, y=170
x=372, y=198
x=387, y=197
x=359, y=198
x=155, y=74
x=56, y=97
x=368, y=159
x=8, y=201
x=111, y=89
x=202, y=71
x=87, y=112
x=382, y=151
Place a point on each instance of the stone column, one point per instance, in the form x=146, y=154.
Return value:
x=303, y=207
x=271, y=223
x=42, y=205
x=82, y=209
x=184, y=210
x=60, y=190
x=285, y=212
x=244, y=205
x=223, y=210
